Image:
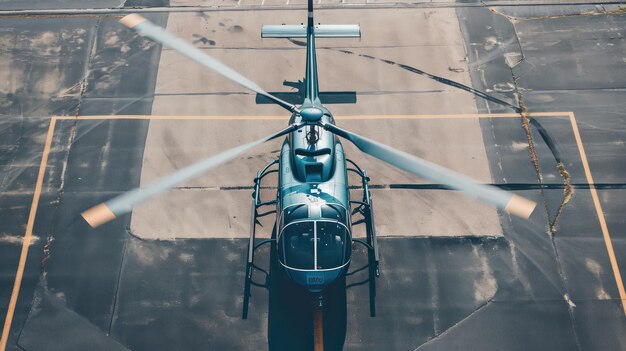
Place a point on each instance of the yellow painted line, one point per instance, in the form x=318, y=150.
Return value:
x=27, y=237
x=286, y=117
x=140, y=117
x=451, y=116
x=318, y=329
x=598, y=206
x=549, y=114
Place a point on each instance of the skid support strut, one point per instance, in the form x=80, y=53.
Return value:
x=252, y=244
x=365, y=207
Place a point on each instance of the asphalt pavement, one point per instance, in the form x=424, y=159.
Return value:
x=550, y=283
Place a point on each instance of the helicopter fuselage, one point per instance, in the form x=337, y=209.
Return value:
x=313, y=202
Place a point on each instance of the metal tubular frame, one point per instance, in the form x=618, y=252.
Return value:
x=252, y=247
x=366, y=209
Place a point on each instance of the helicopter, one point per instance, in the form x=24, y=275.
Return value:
x=313, y=226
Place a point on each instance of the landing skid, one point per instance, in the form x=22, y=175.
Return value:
x=252, y=246
x=365, y=208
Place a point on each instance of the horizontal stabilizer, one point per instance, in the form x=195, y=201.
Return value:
x=321, y=31
x=329, y=97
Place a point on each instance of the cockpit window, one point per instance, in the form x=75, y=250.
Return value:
x=331, y=211
x=309, y=245
x=331, y=245
x=295, y=213
x=298, y=245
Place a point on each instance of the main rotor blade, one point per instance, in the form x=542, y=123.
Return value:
x=509, y=202
x=124, y=203
x=156, y=33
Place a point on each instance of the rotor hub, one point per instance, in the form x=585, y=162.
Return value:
x=311, y=114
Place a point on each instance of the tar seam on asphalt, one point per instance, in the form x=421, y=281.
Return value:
x=568, y=189
x=526, y=126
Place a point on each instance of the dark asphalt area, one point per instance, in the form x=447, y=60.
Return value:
x=105, y=289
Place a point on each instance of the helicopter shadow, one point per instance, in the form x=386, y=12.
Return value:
x=291, y=312
x=296, y=97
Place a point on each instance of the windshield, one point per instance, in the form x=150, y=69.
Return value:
x=331, y=245
x=298, y=245
x=300, y=240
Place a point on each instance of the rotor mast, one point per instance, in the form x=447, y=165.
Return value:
x=312, y=88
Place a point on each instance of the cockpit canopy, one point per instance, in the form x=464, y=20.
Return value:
x=314, y=241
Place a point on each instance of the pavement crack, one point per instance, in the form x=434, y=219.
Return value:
x=526, y=121
x=531, y=145
x=93, y=44
x=117, y=288
x=46, y=254
x=568, y=189
x=567, y=186
x=457, y=324
x=568, y=192
x=497, y=12
x=132, y=234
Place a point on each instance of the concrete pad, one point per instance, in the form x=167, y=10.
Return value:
x=388, y=104
x=379, y=27
x=337, y=70
x=215, y=213
x=205, y=213
x=452, y=143
x=174, y=144
x=182, y=213
x=184, y=88
x=409, y=212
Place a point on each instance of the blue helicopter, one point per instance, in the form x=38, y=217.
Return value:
x=313, y=233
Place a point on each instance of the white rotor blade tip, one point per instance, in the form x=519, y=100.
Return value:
x=98, y=215
x=132, y=20
x=520, y=206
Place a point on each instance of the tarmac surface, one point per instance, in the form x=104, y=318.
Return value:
x=454, y=274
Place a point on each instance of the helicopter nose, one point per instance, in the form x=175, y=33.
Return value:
x=314, y=281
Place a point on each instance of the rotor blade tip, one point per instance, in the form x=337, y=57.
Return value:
x=520, y=206
x=98, y=215
x=132, y=20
